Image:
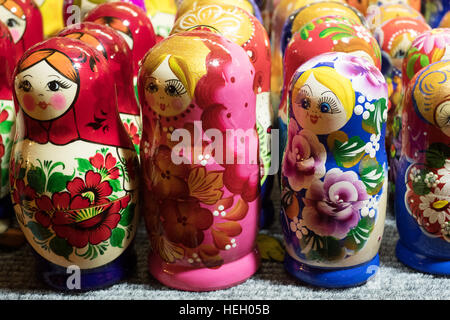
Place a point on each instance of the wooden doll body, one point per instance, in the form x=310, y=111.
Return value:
x=202, y=197
x=334, y=171
x=73, y=167
x=422, y=189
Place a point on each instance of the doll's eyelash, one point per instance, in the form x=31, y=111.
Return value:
x=63, y=84
x=331, y=102
x=176, y=85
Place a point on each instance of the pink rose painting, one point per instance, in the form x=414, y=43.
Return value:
x=332, y=206
x=305, y=158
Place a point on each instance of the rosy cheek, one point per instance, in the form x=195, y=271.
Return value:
x=150, y=99
x=58, y=101
x=177, y=104
x=28, y=102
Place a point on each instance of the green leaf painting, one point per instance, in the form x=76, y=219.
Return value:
x=349, y=153
x=436, y=155
x=84, y=165
x=358, y=236
x=377, y=116
x=37, y=179
x=128, y=215
x=372, y=175
x=117, y=236
x=61, y=247
x=38, y=231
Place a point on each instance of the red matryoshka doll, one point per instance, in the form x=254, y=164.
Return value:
x=281, y=13
x=326, y=34
x=73, y=166
x=429, y=47
x=422, y=197
x=131, y=22
x=238, y=26
x=114, y=48
x=199, y=161
x=9, y=237
x=24, y=21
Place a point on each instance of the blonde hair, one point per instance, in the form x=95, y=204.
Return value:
x=188, y=64
x=338, y=84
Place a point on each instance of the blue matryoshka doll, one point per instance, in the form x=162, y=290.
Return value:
x=422, y=203
x=334, y=171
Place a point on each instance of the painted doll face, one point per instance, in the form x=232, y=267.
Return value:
x=165, y=93
x=43, y=93
x=16, y=25
x=317, y=108
x=442, y=117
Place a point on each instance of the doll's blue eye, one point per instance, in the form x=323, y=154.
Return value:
x=325, y=107
x=306, y=103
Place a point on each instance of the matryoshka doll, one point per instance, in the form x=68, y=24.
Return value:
x=52, y=16
x=162, y=14
x=9, y=237
x=238, y=26
x=131, y=22
x=114, y=48
x=281, y=13
x=334, y=171
x=321, y=35
x=201, y=175
x=423, y=181
x=429, y=47
x=415, y=4
x=24, y=21
x=73, y=167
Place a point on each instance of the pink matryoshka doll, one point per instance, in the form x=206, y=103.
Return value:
x=238, y=26
x=8, y=236
x=321, y=35
x=429, y=47
x=131, y=22
x=24, y=21
x=73, y=167
x=114, y=48
x=334, y=171
x=201, y=202
x=422, y=194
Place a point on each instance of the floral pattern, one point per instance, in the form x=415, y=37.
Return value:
x=332, y=206
x=74, y=216
x=428, y=189
x=304, y=159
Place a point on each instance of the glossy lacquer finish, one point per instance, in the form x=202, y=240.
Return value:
x=115, y=49
x=334, y=171
x=131, y=22
x=24, y=21
x=237, y=25
x=202, y=201
x=423, y=181
x=321, y=35
x=429, y=47
x=73, y=166
x=7, y=124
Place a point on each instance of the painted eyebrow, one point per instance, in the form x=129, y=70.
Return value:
x=54, y=75
x=329, y=91
x=28, y=75
x=172, y=80
x=306, y=85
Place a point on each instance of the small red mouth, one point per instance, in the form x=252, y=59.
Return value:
x=314, y=119
x=162, y=106
x=43, y=105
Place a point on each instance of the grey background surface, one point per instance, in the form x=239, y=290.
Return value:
x=393, y=281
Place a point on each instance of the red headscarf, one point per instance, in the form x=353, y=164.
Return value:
x=93, y=115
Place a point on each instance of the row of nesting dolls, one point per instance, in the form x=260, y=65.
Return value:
x=335, y=119
x=212, y=220
x=74, y=139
